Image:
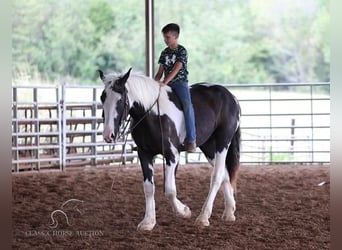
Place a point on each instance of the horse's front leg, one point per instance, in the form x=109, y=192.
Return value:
x=149, y=220
x=172, y=160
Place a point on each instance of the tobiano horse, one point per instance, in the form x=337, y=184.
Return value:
x=158, y=127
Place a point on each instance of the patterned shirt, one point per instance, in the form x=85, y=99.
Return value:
x=169, y=57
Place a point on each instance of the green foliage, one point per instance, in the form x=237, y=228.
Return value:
x=279, y=157
x=102, y=17
x=228, y=41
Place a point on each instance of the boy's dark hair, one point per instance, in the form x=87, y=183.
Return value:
x=173, y=27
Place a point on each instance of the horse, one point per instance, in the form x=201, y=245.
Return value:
x=157, y=127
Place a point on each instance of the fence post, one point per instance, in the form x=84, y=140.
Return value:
x=312, y=124
x=59, y=102
x=271, y=126
x=36, y=125
x=93, y=128
x=63, y=128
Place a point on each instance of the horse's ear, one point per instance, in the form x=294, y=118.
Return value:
x=101, y=74
x=123, y=79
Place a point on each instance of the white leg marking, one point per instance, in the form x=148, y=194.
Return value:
x=229, y=201
x=149, y=220
x=217, y=177
x=170, y=188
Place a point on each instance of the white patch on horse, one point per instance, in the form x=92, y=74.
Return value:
x=170, y=183
x=149, y=220
x=110, y=78
x=237, y=125
x=176, y=115
x=110, y=114
x=206, y=84
x=170, y=186
x=145, y=90
x=229, y=201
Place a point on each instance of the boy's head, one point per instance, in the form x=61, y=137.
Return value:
x=171, y=27
x=170, y=34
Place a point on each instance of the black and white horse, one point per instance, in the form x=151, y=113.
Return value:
x=157, y=114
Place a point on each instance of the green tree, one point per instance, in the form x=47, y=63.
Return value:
x=295, y=44
x=228, y=41
x=252, y=40
x=68, y=40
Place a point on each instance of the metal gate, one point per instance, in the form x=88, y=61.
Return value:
x=56, y=127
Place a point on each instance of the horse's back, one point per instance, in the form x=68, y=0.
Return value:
x=216, y=111
x=213, y=96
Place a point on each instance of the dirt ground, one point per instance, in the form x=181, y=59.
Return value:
x=278, y=207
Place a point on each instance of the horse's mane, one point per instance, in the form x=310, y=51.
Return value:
x=142, y=89
x=145, y=90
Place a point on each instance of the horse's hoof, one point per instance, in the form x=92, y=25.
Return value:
x=202, y=222
x=230, y=218
x=146, y=225
x=187, y=213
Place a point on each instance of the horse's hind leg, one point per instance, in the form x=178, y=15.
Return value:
x=217, y=177
x=170, y=186
x=229, y=201
x=230, y=179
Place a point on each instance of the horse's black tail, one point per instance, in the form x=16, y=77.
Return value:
x=233, y=158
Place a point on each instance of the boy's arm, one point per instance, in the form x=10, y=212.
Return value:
x=160, y=72
x=173, y=73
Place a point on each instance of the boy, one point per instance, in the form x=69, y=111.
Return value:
x=173, y=64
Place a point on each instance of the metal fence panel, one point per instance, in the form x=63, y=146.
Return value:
x=36, y=128
x=284, y=123
x=55, y=127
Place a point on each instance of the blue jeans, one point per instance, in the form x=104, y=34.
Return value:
x=181, y=89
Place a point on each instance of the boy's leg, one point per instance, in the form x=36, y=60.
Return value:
x=183, y=92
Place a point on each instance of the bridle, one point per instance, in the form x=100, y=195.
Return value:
x=123, y=121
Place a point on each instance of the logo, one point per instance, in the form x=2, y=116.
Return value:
x=65, y=215
x=73, y=204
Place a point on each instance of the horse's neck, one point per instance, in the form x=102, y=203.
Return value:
x=145, y=91
x=160, y=106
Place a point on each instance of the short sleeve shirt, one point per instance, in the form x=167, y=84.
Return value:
x=169, y=57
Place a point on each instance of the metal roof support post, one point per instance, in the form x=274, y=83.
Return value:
x=149, y=33
x=15, y=129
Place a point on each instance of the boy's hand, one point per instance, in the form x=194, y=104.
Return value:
x=162, y=84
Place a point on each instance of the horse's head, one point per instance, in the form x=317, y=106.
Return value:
x=115, y=104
